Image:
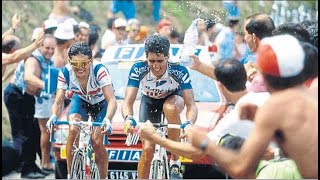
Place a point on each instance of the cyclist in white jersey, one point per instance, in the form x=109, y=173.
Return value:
x=93, y=93
x=166, y=88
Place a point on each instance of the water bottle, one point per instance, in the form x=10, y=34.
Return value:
x=190, y=42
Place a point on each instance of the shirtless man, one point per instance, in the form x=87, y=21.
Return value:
x=280, y=118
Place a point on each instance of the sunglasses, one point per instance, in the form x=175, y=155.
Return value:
x=79, y=64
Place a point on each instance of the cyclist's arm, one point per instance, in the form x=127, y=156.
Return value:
x=58, y=102
x=130, y=97
x=111, y=99
x=192, y=111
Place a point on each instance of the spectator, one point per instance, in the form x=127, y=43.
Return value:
x=50, y=26
x=93, y=38
x=156, y=4
x=164, y=27
x=279, y=118
x=256, y=27
x=127, y=7
x=240, y=46
x=65, y=37
x=60, y=11
x=11, y=52
x=211, y=32
x=20, y=102
x=202, y=31
x=143, y=34
x=225, y=40
x=109, y=35
x=293, y=29
x=311, y=67
x=174, y=36
x=133, y=29
x=42, y=65
x=83, y=34
x=120, y=34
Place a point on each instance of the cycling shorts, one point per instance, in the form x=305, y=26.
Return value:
x=152, y=109
x=81, y=107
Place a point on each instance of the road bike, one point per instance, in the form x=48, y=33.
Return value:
x=159, y=164
x=83, y=163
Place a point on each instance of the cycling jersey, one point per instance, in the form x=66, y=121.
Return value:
x=98, y=78
x=175, y=78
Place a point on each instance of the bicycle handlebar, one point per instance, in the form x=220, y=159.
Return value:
x=80, y=123
x=61, y=122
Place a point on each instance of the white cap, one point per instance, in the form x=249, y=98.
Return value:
x=71, y=21
x=35, y=33
x=280, y=56
x=64, y=31
x=50, y=23
x=120, y=23
x=83, y=24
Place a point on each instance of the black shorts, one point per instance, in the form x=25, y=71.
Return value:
x=152, y=109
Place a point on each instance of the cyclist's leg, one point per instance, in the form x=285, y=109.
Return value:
x=98, y=112
x=172, y=108
x=149, y=110
x=76, y=112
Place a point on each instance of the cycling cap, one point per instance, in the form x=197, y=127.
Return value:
x=64, y=31
x=280, y=56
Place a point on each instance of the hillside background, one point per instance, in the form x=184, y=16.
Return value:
x=33, y=13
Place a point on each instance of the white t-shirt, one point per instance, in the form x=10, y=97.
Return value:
x=107, y=38
x=231, y=123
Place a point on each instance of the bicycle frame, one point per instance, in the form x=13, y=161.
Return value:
x=84, y=150
x=159, y=164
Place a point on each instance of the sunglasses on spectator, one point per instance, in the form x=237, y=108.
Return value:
x=79, y=64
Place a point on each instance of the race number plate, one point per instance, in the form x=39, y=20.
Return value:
x=122, y=174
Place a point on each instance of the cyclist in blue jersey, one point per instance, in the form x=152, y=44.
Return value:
x=166, y=88
x=93, y=93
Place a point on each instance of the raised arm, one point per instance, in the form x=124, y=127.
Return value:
x=202, y=67
x=15, y=23
x=23, y=53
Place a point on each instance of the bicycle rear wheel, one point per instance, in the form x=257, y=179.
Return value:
x=77, y=166
x=94, y=171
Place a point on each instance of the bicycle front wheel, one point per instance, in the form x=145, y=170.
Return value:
x=94, y=171
x=77, y=166
x=158, y=170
